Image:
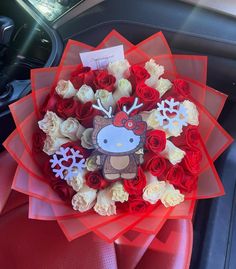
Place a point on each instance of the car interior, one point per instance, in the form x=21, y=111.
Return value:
x=33, y=34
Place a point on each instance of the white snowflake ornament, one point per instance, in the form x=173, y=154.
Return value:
x=172, y=115
x=67, y=165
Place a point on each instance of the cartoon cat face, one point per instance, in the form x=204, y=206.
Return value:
x=117, y=139
x=110, y=139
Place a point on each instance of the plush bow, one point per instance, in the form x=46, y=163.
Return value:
x=121, y=119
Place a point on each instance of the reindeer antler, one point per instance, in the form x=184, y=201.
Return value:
x=133, y=107
x=102, y=108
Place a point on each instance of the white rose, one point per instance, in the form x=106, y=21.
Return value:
x=124, y=88
x=163, y=85
x=192, y=112
x=91, y=163
x=105, y=206
x=105, y=97
x=85, y=94
x=155, y=70
x=171, y=196
x=118, y=192
x=50, y=124
x=76, y=182
x=69, y=128
x=86, y=139
x=84, y=199
x=65, y=89
x=52, y=144
x=172, y=153
x=119, y=69
x=154, y=189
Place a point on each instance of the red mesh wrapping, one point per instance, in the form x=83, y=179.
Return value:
x=45, y=204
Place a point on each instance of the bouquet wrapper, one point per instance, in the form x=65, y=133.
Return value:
x=44, y=204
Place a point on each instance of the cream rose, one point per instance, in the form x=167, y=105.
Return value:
x=85, y=94
x=50, y=124
x=76, y=182
x=171, y=196
x=86, y=139
x=163, y=85
x=154, y=189
x=91, y=163
x=124, y=88
x=119, y=69
x=106, y=98
x=155, y=70
x=65, y=89
x=52, y=144
x=118, y=192
x=105, y=206
x=84, y=199
x=70, y=127
x=192, y=112
x=172, y=153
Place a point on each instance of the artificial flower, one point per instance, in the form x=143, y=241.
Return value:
x=172, y=153
x=123, y=89
x=135, y=186
x=85, y=94
x=52, y=144
x=71, y=128
x=154, y=189
x=163, y=85
x=105, y=206
x=105, y=97
x=95, y=180
x=155, y=141
x=86, y=139
x=105, y=81
x=118, y=192
x=50, y=124
x=84, y=199
x=171, y=196
x=65, y=89
x=119, y=69
x=192, y=112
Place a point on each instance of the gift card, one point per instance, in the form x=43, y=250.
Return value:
x=99, y=59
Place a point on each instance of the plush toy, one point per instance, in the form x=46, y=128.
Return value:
x=119, y=141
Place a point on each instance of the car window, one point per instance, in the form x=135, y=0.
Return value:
x=52, y=9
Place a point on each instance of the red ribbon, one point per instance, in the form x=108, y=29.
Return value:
x=121, y=119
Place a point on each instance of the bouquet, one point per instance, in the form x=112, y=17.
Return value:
x=112, y=141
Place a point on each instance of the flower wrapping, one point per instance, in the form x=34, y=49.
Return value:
x=175, y=166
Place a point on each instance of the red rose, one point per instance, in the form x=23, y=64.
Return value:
x=138, y=205
x=139, y=73
x=128, y=102
x=181, y=87
x=82, y=75
x=65, y=108
x=60, y=186
x=104, y=81
x=192, y=160
x=95, y=180
x=147, y=95
x=135, y=186
x=190, y=137
x=38, y=139
x=155, y=164
x=155, y=141
x=182, y=181
x=64, y=191
x=50, y=103
x=85, y=114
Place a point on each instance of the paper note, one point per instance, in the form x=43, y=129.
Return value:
x=99, y=59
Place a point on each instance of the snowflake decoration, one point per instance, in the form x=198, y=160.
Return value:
x=69, y=157
x=178, y=111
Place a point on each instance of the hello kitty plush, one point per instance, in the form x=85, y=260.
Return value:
x=117, y=140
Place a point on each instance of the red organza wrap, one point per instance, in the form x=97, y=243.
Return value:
x=45, y=204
